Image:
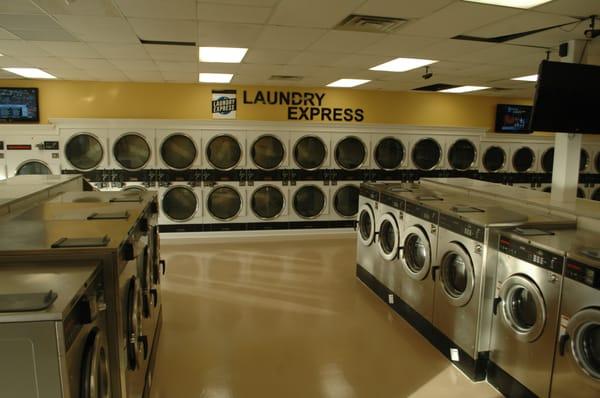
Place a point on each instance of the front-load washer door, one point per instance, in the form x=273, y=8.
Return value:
x=179, y=203
x=350, y=153
x=223, y=152
x=366, y=224
x=457, y=275
x=84, y=151
x=178, y=151
x=523, y=307
x=95, y=374
x=132, y=151
x=583, y=330
x=345, y=201
x=145, y=274
x=416, y=253
x=30, y=167
x=224, y=203
x=267, y=152
x=309, y=202
x=389, y=237
x=310, y=152
x=267, y=202
x=136, y=341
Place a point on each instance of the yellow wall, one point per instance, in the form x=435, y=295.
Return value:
x=83, y=99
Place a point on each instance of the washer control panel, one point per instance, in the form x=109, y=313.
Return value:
x=585, y=274
x=531, y=254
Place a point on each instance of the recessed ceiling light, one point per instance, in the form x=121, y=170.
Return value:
x=529, y=78
x=32, y=73
x=1, y=55
x=463, y=89
x=403, y=64
x=512, y=3
x=230, y=55
x=347, y=83
x=215, y=77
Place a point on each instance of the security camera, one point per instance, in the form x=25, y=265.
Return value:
x=592, y=33
x=427, y=74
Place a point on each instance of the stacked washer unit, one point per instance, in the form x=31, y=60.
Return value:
x=179, y=156
x=368, y=259
x=32, y=154
x=86, y=151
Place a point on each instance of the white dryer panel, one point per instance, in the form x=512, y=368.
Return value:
x=310, y=151
x=268, y=150
x=494, y=157
x=29, y=154
x=344, y=200
x=84, y=149
x=524, y=157
x=350, y=151
x=179, y=149
x=310, y=201
x=462, y=152
x=180, y=203
x=268, y=201
x=132, y=149
x=224, y=149
x=226, y=203
x=390, y=151
x=428, y=152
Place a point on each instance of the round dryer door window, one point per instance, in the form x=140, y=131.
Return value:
x=310, y=152
x=350, y=153
x=224, y=152
x=462, y=154
x=309, y=201
x=131, y=151
x=417, y=253
x=33, y=167
x=457, y=275
x=178, y=151
x=135, y=341
x=584, y=331
x=267, y=152
x=523, y=308
x=494, y=159
x=224, y=203
x=580, y=193
x=345, y=201
x=179, y=203
x=523, y=159
x=366, y=224
x=389, y=153
x=95, y=374
x=267, y=202
x=84, y=151
x=426, y=154
x=548, y=160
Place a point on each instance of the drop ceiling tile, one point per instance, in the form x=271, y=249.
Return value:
x=45, y=35
x=456, y=19
x=232, y=13
x=98, y=29
x=69, y=73
x=121, y=50
x=504, y=54
x=107, y=74
x=314, y=58
x=68, y=49
x=227, y=34
x=522, y=22
x=164, y=29
x=18, y=7
x=344, y=41
x=7, y=75
x=361, y=61
x=131, y=65
x=165, y=66
x=46, y=62
x=172, y=53
x=581, y=8
x=7, y=61
x=287, y=38
x=31, y=22
x=406, y=9
x=398, y=46
x=312, y=13
x=20, y=48
x=255, y=69
x=552, y=38
x=6, y=35
x=90, y=63
x=180, y=77
x=104, y=8
x=171, y=9
x=451, y=49
x=276, y=57
x=144, y=76
x=255, y=3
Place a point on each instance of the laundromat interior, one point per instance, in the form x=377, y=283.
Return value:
x=299, y=198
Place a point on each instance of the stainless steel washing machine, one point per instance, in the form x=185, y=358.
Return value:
x=390, y=227
x=367, y=256
x=526, y=305
x=576, y=371
x=53, y=331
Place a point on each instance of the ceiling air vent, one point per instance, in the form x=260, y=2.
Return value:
x=288, y=78
x=436, y=87
x=368, y=23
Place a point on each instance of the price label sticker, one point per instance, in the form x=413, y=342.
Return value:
x=390, y=298
x=454, y=354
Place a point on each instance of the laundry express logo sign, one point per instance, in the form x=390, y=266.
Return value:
x=224, y=104
x=304, y=106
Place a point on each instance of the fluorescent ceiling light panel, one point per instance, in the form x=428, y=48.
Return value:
x=512, y=3
x=230, y=55
x=463, y=89
x=529, y=78
x=403, y=64
x=215, y=77
x=347, y=83
x=32, y=73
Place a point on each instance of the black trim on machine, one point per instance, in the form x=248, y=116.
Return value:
x=258, y=226
x=506, y=384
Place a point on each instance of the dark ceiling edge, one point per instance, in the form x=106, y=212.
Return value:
x=168, y=43
x=505, y=38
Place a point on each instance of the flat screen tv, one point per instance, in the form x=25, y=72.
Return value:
x=566, y=98
x=513, y=118
x=19, y=105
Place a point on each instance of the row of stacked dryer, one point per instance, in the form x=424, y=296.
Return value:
x=483, y=282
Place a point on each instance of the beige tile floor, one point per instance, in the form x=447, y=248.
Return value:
x=287, y=319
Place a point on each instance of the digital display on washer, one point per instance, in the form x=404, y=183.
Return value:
x=531, y=254
x=369, y=193
x=392, y=201
x=470, y=230
x=19, y=104
x=583, y=273
x=422, y=212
